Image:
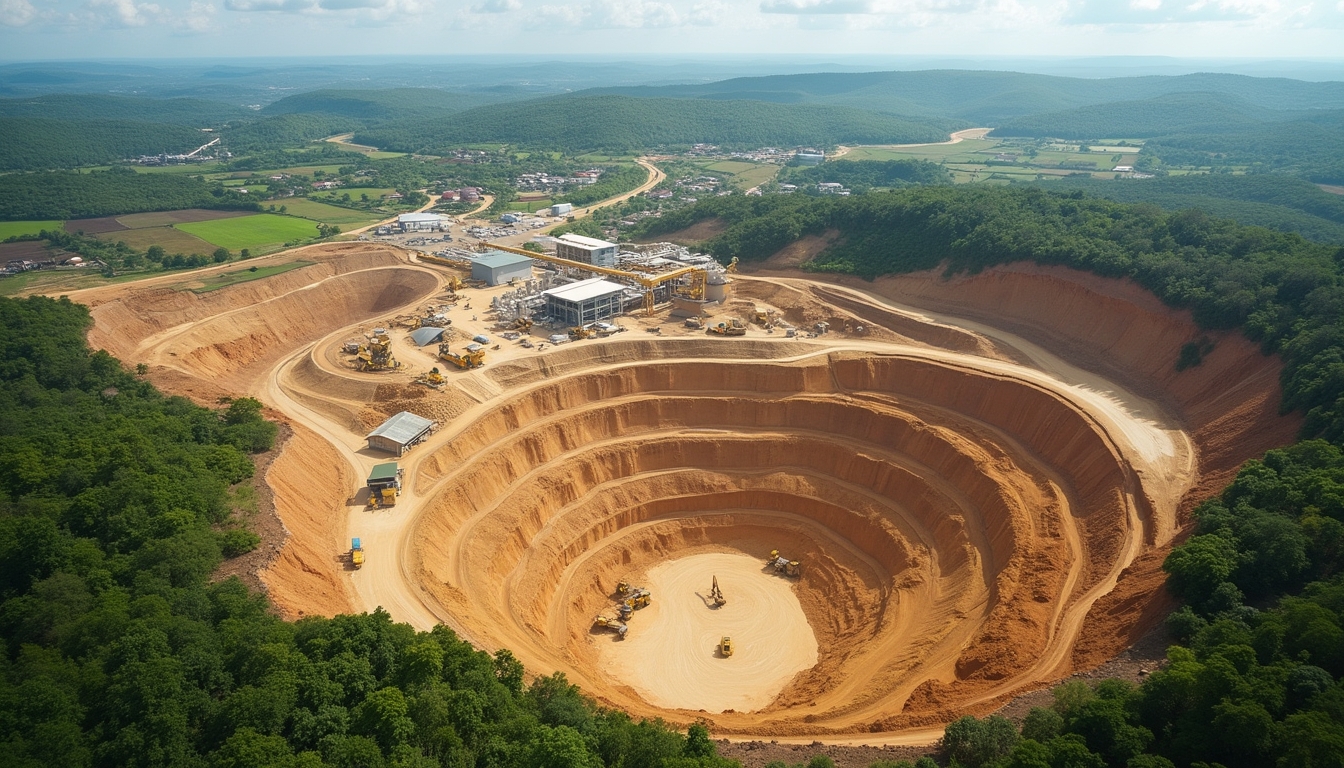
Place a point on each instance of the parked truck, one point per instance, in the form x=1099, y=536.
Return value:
x=356, y=553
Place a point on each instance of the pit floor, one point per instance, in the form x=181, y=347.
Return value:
x=670, y=655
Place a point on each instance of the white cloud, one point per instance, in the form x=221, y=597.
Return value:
x=610, y=14
x=198, y=17
x=497, y=6
x=126, y=13
x=16, y=13
x=817, y=6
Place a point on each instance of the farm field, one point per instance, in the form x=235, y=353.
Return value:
x=331, y=214
x=257, y=232
x=10, y=229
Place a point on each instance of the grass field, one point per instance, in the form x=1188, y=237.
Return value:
x=165, y=218
x=10, y=229
x=225, y=279
x=529, y=206
x=330, y=214
x=730, y=166
x=374, y=193
x=258, y=232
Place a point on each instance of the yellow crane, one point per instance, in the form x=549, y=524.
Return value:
x=648, y=282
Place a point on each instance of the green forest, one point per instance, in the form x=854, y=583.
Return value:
x=64, y=195
x=622, y=123
x=35, y=143
x=1276, y=201
x=118, y=504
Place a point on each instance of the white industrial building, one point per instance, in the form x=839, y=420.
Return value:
x=420, y=222
x=809, y=158
x=588, y=250
x=499, y=267
x=562, y=209
x=586, y=301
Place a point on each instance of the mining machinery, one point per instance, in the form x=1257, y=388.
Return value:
x=733, y=327
x=521, y=324
x=468, y=358
x=356, y=553
x=434, y=379
x=726, y=646
x=784, y=565
x=376, y=354
x=582, y=332
x=716, y=595
x=615, y=625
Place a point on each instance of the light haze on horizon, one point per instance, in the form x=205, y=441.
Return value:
x=141, y=29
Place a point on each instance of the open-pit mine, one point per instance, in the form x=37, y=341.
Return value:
x=977, y=477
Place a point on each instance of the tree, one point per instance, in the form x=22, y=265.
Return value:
x=561, y=747
x=975, y=743
x=221, y=255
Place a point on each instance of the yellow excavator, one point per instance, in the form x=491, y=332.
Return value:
x=783, y=565
x=472, y=357
x=733, y=327
x=615, y=625
x=716, y=595
x=376, y=355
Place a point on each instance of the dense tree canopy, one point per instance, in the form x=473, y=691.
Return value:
x=63, y=195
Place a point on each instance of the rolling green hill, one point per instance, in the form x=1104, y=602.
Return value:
x=625, y=123
x=382, y=105
x=32, y=143
x=198, y=113
x=1160, y=116
x=989, y=98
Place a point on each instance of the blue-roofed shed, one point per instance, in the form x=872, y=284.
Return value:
x=400, y=433
x=499, y=267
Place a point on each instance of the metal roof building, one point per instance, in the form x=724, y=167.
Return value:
x=420, y=222
x=426, y=335
x=587, y=250
x=498, y=267
x=399, y=433
x=586, y=301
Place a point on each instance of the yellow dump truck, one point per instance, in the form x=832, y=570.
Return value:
x=356, y=553
x=384, y=485
x=471, y=357
x=733, y=327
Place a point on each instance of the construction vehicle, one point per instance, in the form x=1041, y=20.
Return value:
x=716, y=595
x=454, y=284
x=762, y=316
x=726, y=646
x=581, y=332
x=616, y=625
x=433, y=379
x=639, y=597
x=521, y=324
x=384, y=485
x=694, y=322
x=376, y=354
x=783, y=565
x=356, y=553
x=732, y=267
x=622, y=587
x=733, y=327
x=472, y=357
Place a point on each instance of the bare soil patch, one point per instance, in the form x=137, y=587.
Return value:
x=168, y=218
x=95, y=226
x=29, y=251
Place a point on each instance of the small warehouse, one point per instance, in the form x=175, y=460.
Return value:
x=562, y=209
x=420, y=222
x=426, y=335
x=498, y=267
x=586, y=301
x=399, y=433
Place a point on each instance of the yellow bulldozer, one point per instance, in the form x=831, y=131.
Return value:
x=471, y=357
x=434, y=379
x=582, y=332
x=376, y=353
x=732, y=327
x=615, y=625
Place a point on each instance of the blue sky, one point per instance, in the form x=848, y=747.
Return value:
x=65, y=29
